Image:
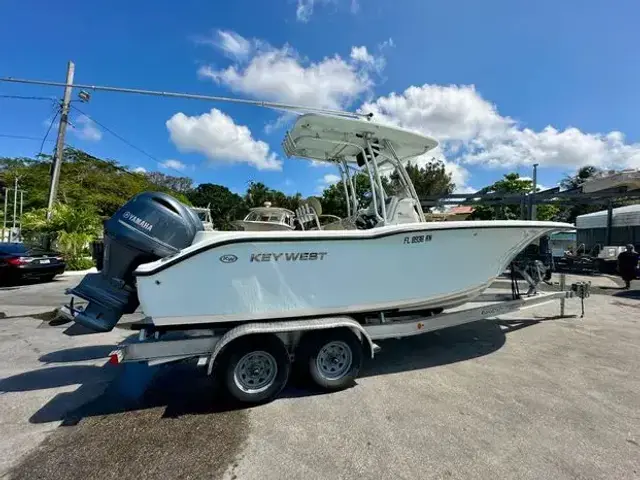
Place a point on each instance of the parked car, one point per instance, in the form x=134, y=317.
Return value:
x=19, y=261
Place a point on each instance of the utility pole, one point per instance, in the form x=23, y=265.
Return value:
x=62, y=129
x=535, y=189
x=4, y=219
x=15, y=205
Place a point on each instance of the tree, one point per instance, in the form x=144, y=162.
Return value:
x=71, y=229
x=582, y=175
x=258, y=193
x=169, y=182
x=85, y=182
x=333, y=199
x=225, y=206
x=569, y=213
x=429, y=179
x=511, y=183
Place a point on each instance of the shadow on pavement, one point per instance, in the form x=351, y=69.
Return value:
x=633, y=294
x=7, y=285
x=51, y=377
x=442, y=347
x=179, y=389
x=78, y=354
x=48, y=316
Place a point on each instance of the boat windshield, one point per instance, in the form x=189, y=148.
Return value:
x=272, y=217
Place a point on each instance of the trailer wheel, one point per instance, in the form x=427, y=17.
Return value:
x=256, y=368
x=333, y=359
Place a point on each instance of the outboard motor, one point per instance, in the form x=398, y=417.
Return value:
x=150, y=226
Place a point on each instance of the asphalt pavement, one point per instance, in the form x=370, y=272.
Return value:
x=531, y=396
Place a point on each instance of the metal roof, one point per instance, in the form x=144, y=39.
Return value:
x=627, y=216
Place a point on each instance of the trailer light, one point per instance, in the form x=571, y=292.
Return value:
x=115, y=357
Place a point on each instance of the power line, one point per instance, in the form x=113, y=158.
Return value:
x=124, y=140
x=23, y=97
x=53, y=120
x=21, y=137
x=274, y=105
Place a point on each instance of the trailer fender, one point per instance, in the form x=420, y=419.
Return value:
x=290, y=326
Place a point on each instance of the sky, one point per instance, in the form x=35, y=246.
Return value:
x=501, y=84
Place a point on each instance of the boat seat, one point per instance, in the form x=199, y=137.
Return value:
x=401, y=210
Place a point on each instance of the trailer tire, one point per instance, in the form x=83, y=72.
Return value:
x=255, y=369
x=332, y=358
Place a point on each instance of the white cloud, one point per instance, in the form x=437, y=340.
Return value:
x=472, y=130
x=320, y=164
x=140, y=170
x=360, y=54
x=449, y=113
x=281, y=75
x=540, y=186
x=386, y=44
x=86, y=129
x=278, y=123
x=304, y=8
x=459, y=176
x=217, y=136
x=232, y=44
x=331, y=178
x=173, y=165
x=326, y=181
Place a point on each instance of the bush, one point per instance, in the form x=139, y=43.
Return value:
x=79, y=263
x=70, y=230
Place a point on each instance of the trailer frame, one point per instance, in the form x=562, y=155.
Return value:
x=208, y=345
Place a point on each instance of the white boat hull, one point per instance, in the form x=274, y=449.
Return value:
x=239, y=276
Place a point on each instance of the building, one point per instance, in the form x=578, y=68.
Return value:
x=625, y=227
x=461, y=212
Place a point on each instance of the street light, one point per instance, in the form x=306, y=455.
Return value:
x=535, y=189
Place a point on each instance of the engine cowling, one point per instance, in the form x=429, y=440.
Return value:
x=150, y=226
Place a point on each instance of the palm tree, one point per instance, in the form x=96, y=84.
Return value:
x=72, y=229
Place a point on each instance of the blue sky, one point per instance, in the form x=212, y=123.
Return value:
x=501, y=84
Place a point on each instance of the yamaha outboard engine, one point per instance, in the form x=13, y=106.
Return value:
x=150, y=226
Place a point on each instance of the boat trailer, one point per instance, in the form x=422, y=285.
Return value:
x=254, y=359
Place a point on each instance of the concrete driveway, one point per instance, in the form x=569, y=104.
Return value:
x=522, y=398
